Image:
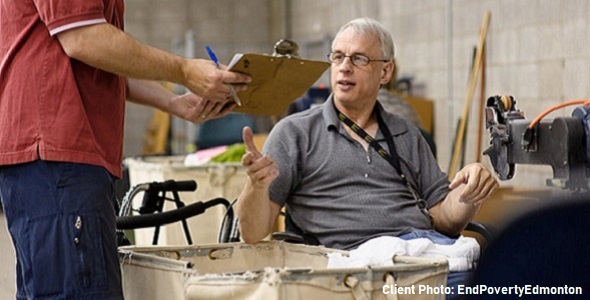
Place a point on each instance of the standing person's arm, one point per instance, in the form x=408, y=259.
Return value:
x=106, y=47
x=188, y=106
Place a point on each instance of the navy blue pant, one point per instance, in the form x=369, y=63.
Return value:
x=62, y=222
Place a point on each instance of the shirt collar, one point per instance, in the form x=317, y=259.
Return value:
x=395, y=124
x=329, y=113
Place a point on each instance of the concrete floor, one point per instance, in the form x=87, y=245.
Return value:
x=7, y=263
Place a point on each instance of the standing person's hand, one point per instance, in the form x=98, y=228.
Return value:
x=203, y=78
x=261, y=169
x=196, y=109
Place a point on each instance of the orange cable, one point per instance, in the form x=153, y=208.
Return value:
x=556, y=107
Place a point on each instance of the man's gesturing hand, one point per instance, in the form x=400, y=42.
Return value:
x=261, y=170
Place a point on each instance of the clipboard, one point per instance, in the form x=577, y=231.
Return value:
x=277, y=81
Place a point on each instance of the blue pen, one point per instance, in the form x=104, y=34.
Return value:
x=216, y=61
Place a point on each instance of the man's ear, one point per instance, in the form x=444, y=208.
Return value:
x=387, y=72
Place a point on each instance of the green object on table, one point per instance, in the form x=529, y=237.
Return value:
x=233, y=153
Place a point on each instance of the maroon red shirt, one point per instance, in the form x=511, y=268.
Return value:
x=53, y=107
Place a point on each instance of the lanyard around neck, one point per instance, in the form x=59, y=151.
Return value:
x=392, y=157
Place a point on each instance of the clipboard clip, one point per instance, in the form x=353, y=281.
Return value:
x=286, y=48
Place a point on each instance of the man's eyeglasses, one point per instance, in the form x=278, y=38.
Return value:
x=358, y=60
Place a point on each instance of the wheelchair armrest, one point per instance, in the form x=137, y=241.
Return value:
x=484, y=230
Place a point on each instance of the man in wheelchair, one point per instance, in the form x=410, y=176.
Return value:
x=348, y=171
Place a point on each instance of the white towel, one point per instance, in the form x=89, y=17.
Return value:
x=462, y=255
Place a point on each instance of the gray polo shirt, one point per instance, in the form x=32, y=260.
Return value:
x=342, y=194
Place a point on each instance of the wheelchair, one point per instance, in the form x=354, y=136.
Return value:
x=151, y=214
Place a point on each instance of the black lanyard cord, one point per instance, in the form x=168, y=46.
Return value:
x=392, y=157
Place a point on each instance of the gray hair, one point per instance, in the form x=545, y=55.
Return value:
x=370, y=27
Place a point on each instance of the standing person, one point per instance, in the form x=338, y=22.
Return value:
x=66, y=69
x=337, y=186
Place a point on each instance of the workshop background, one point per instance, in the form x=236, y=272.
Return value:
x=536, y=50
